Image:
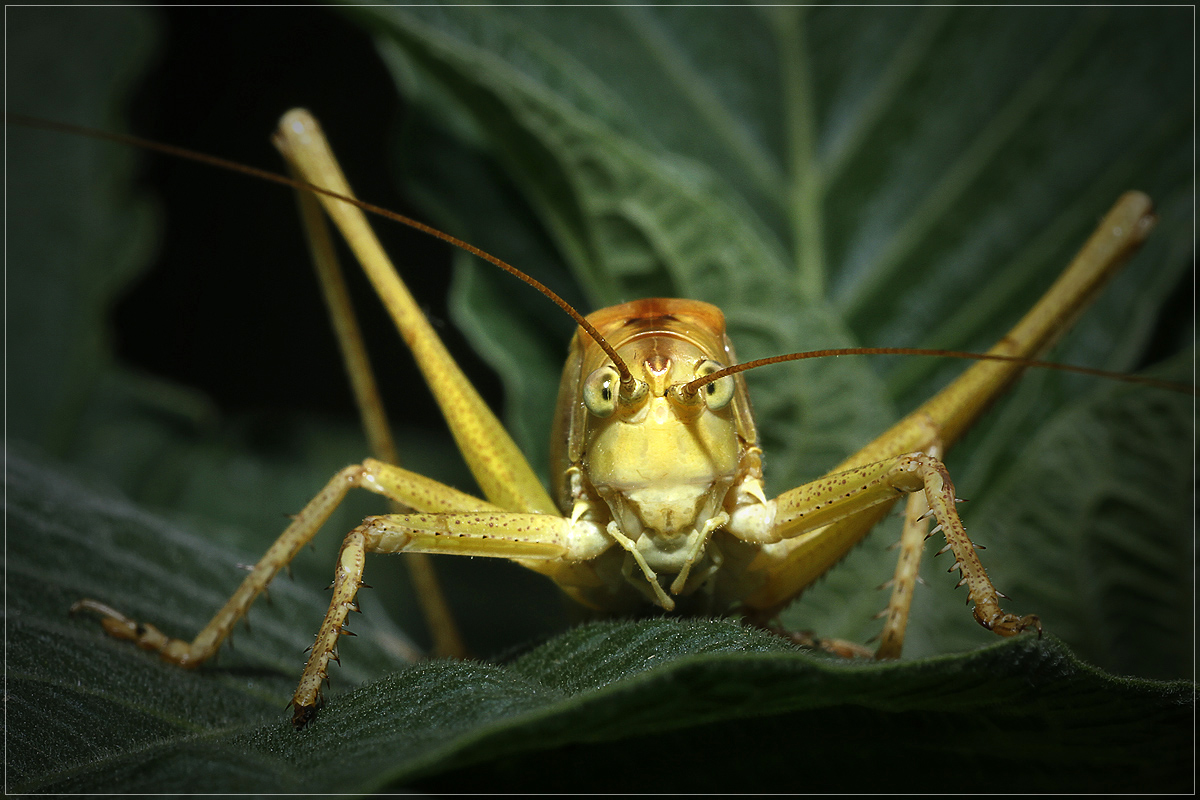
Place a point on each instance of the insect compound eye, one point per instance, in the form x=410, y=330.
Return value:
x=600, y=391
x=718, y=393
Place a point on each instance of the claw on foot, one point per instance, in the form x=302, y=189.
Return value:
x=1006, y=624
x=304, y=714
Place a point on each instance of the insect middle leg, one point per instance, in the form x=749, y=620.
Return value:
x=904, y=580
x=404, y=487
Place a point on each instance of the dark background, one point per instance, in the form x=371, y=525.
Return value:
x=231, y=305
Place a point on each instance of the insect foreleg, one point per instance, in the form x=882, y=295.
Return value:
x=346, y=583
x=526, y=537
x=939, y=492
x=809, y=516
x=938, y=500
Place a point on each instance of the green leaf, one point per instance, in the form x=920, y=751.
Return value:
x=877, y=176
x=87, y=713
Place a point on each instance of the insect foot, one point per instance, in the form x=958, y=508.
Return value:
x=304, y=714
x=145, y=636
x=1006, y=624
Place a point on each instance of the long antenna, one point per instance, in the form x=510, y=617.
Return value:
x=696, y=385
x=627, y=380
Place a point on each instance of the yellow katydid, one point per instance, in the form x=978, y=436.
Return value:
x=665, y=499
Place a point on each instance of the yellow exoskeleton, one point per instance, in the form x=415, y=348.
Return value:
x=657, y=496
